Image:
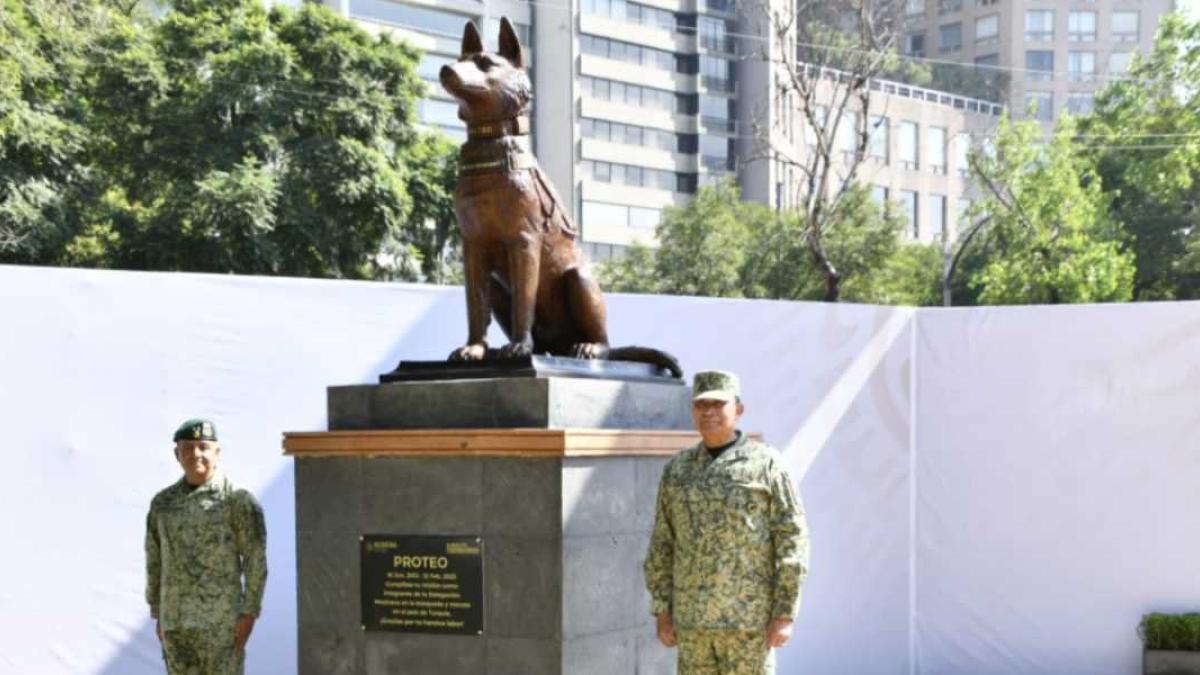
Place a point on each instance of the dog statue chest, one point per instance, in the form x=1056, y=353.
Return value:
x=498, y=206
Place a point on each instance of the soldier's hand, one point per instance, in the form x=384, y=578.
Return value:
x=779, y=631
x=666, y=630
x=241, y=631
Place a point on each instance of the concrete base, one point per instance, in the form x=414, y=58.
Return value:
x=565, y=517
x=564, y=538
x=517, y=403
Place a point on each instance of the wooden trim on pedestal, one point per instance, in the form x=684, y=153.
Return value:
x=510, y=442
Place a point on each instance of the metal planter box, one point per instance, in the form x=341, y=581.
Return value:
x=1169, y=662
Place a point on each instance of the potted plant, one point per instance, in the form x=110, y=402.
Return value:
x=1172, y=644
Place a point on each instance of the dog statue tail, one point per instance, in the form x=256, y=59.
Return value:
x=654, y=357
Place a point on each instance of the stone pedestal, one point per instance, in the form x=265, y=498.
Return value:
x=564, y=512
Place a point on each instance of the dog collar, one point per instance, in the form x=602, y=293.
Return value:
x=495, y=155
x=514, y=126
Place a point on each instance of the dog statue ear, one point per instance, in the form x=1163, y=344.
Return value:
x=510, y=44
x=472, y=43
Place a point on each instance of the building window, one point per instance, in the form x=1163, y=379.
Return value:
x=907, y=145
x=847, y=133
x=607, y=215
x=409, y=16
x=619, y=215
x=629, y=94
x=714, y=152
x=1040, y=104
x=714, y=35
x=879, y=195
x=950, y=37
x=949, y=6
x=936, y=148
x=1081, y=27
x=820, y=116
x=962, y=148
x=636, y=176
x=597, y=251
x=644, y=218
x=987, y=29
x=628, y=134
x=1039, y=66
x=985, y=3
x=628, y=52
x=908, y=208
x=914, y=7
x=1081, y=66
x=715, y=73
x=1118, y=63
x=937, y=215
x=440, y=113
x=1039, y=25
x=430, y=67
x=878, y=145
x=914, y=44
x=1125, y=26
x=1079, y=104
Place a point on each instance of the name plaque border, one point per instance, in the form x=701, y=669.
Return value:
x=375, y=565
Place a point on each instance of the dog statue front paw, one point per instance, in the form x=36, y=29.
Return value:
x=471, y=352
x=589, y=350
x=516, y=350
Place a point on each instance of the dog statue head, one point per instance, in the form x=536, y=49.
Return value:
x=489, y=87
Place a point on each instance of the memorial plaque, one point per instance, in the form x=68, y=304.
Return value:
x=422, y=584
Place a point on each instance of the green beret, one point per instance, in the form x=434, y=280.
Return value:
x=715, y=385
x=196, y=430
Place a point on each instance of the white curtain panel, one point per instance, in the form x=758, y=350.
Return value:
x=1058, y=484
x=996, y=490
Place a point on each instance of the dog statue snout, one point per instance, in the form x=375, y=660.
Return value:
x=448, y=77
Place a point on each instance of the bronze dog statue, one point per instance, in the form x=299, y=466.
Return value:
x=519, y=251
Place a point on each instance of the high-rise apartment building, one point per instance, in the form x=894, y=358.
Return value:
x=637, y=104
x=1056, y=53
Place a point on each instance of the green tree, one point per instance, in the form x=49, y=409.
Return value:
x=633, y=272
x=703, y=245
x=43, y=123
x=433, y=226
x=719, y=245
x=229, y=137
x=1049, y=237
x=1142, y=136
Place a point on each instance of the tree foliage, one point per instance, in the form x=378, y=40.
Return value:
x=223, y=137
x=1049, y=237
x=719, y=245
x=1142, y=137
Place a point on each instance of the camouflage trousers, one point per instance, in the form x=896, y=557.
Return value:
x=724, y=652
x=205, y=651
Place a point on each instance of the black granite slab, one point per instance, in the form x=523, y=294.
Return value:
x=529, y=366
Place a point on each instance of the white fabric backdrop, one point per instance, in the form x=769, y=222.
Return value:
x=97, y=369
x=1058, y=462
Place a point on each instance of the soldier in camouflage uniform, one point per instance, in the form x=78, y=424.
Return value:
x=206, y=561
x=729, y=549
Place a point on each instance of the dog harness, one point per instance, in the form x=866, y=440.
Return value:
x=498, y=146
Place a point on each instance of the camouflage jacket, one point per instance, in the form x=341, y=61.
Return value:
x=200, y=544
x=729, y=549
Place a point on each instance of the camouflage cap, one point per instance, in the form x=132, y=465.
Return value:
x=715, y=385
x=196, y=429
